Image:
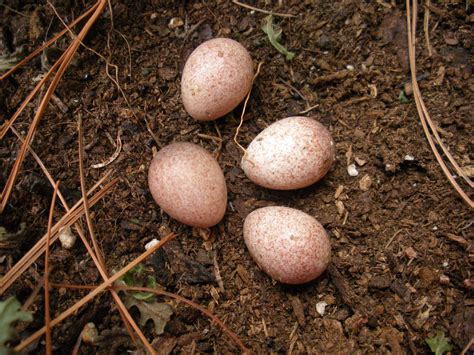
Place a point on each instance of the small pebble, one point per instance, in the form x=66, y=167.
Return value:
x=410, y=253
x=360, y=162
x=350, y=67
x=67, y=238
x=443, y=279
x=151, y=244
x=90, y=335
x=408, y=88
x=409, y=157
x=352, y=170
x=321, y=308
x=175, y=22
x=365, y=183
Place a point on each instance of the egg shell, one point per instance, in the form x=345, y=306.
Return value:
x=289, y=245
x=188, y=184
x=289, y=154
x=216, y=77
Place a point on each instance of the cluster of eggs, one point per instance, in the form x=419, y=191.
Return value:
x=188, y=184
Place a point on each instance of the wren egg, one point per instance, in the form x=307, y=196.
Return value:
x=216, y=77
x=289, y=245
x=188, y=184
x=289, y=154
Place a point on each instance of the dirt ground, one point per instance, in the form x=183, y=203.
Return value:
x=401, y=238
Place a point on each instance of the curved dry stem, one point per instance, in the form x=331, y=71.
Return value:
x=262, y=10
x=70, y=311
x=47, y=312
x=243, y=109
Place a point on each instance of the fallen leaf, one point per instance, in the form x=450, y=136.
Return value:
x=159, y=313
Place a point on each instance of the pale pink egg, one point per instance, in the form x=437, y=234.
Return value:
x=289, y=154
x=188, y=184
x=289, y=245
x=216, y=77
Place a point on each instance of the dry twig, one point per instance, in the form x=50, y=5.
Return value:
x=261, y=10
x=243, y=109
x=47, y=313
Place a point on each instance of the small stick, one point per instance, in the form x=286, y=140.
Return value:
x=393, y=237
x=47, y=312
x=426, y=27
x=85, y=200
x=309, y=109
x=468, y=347
x=261, y=10
x=243, y=109
x=114, y=156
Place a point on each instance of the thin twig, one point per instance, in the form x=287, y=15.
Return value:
x=114, y=156
x=426, y=24
x=243, y=109
x=309, y=109
x=47, y=313
x=261, y=10
x=73, y=309
x=468, y=347
x=90, y=226
x=14, y=11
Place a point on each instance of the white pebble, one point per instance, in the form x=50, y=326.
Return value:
x=151, y=244
x=67, y=238
x=350, y=67
x=445, y=264
x=321, y=308
x=409, y=157
x=352, y=170
x=90, y=335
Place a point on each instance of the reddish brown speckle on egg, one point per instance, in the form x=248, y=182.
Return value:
x=291, y=153
x=289, y=245
x=188, y=184
x=216, y=77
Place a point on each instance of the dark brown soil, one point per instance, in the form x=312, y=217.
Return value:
x=402, y=247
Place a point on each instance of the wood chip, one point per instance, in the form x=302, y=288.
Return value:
x=243, y=274
x=338, y=192
x=298, y=309
x=457, y=239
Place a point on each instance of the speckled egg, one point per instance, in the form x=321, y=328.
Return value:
x=289, y=245
x=216, y=77
x=188, y=184
x=292, y=153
